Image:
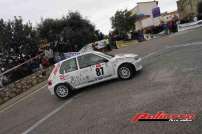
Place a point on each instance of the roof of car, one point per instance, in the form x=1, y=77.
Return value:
x=78, y=55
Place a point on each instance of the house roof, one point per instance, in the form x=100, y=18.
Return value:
x=148, y=2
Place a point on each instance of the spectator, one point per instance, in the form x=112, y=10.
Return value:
x=141, y=36
x=34, y=65
x=166, y=29
x=49, y=54
x=45, y=62
x=3, y=80
x=170, y=26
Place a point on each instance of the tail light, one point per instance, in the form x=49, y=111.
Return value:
x=49, y=82
x=56, y=68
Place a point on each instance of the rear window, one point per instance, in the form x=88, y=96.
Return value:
x=68, y=66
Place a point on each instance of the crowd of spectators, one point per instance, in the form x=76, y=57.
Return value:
x=16, y=67
x=164, y=27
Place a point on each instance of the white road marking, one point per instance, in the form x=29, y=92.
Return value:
x=22, y=99
x=151, y=54
x=170, y=47
x=46, y=117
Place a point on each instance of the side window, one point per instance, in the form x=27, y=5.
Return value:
x=68, y=66
x=89, y=60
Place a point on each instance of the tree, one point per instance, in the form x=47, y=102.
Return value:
x=73, y=30
x=19, y=37
x=78, y=31
x=50, y=29
x=2, y=35
x=200, y=10
x=18, y=41
x=24, y=38
x=123, y=22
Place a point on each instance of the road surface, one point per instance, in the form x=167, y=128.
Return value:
x=171, y=81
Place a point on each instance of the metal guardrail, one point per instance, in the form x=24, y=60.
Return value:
x=187, y=26
x=11, y=69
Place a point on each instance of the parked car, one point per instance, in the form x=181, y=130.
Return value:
x=91, y=68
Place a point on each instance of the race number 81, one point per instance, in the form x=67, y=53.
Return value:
x=99, y=71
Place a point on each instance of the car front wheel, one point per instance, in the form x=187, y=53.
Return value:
x=62, y=91
x=125, y=72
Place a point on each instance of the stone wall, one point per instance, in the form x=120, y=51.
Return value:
x=24, y=84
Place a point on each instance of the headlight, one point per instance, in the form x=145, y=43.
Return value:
x=137, y=57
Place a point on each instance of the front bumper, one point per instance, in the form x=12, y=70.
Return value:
x=138, y=64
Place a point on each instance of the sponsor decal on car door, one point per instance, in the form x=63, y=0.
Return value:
x=103, y=70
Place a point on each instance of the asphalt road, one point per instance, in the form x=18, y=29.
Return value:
x=171, y=81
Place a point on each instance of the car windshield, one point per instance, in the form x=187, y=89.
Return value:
x=109, y=56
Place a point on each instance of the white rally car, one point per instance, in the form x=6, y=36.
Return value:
x=91, y=68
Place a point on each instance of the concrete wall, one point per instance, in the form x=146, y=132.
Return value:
x=146, y=9
x=147, y=22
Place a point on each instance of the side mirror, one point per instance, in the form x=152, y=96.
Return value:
x=105, y=60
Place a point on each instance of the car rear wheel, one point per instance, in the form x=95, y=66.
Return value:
x=62, y=91
x=125, y=72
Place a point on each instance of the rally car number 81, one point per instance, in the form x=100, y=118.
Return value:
x=90, y=68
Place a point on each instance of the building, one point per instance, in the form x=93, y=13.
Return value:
x=169, y=16
x=187, y=9
x=148, y=14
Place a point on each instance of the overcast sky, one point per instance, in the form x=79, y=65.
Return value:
x=97, y=11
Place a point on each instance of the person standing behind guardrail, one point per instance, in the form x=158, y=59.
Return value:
x=166, y=29
x=49, y=54
x=45, y=62
x=3, y=79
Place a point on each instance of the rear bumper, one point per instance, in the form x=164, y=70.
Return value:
x=51, y=89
